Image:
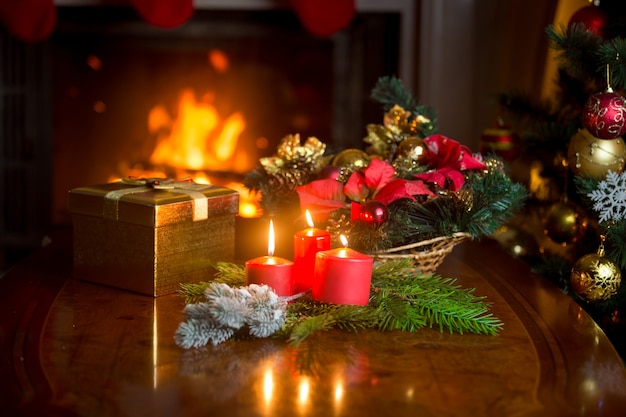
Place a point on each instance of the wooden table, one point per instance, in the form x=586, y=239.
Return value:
x=75, y=348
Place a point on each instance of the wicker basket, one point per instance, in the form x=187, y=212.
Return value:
x=427, y=255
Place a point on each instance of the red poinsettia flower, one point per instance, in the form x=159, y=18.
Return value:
x=366, y=184
x=378, y=182
x=321, y=197
x=448, y=159
x=401, y=188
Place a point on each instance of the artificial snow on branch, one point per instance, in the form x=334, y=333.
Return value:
x=228, y=310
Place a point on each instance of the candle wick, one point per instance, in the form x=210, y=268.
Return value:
x=295, y=296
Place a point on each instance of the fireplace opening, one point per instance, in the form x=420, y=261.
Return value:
x=204, y=100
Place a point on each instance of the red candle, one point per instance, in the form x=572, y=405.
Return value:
x=271, y=270
x=306, y=243
x=342, y=276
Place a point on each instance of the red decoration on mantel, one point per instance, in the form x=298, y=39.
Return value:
x=164, y=13
x=28, y=20
x=324, y=17
x=34, y=20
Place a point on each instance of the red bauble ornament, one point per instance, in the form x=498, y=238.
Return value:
x=164, y=13
x=29, y=20
x=374, y=212
x=593, y=17
x=604, y=115
x=329, y=172
x=324, y=17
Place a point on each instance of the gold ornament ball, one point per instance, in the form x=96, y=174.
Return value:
x=565, y=222
x=595, y=278
x=414, y=149
x=593, y=157
x=352, y=159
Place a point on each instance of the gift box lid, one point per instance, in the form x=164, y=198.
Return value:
x=139, y=203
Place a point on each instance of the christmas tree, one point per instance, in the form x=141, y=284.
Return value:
x=571, y=156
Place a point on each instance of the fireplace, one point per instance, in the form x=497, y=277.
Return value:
x=110, y=96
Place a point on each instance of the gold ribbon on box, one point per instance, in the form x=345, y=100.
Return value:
x=198, y=199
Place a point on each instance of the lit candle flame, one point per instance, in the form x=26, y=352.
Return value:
x=344, y=240
x=309, y=219
x=270, y=240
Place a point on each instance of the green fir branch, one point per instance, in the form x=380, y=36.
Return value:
x=585, y=185
x=193, y=292
x=400, y=299
x=615, y=244
x=230, y=273
x=397, y=312
x=494, y=199
x=276, y=191
x=226, y=273
x=432, y=300
x=613, y=53
x=342, y=317
x=576, y=49
x=585, y=55
x=390, y=91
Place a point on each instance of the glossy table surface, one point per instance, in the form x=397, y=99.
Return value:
x=75, y=348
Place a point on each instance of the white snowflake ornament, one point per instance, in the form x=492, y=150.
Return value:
x=610, y=197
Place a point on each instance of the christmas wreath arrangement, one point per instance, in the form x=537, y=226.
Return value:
x=409, y=187
x=411, y=193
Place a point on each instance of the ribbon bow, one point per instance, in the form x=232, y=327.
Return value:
x=185, y=186
x=157, y=183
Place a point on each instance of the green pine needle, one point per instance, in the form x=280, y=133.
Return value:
x=342, y=317
x=494, y=199
x=226, y=272
x=390, y=91
x=585, y=55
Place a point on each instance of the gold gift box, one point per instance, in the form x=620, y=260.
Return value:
x=148, y=240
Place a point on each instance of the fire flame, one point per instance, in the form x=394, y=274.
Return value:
x=197, y=142
x=197, y=139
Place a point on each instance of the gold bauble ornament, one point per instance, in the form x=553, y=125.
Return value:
x=593, y=157
x=594, y=277
x=351, y=159
x=414, y=149
x=565, y=222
